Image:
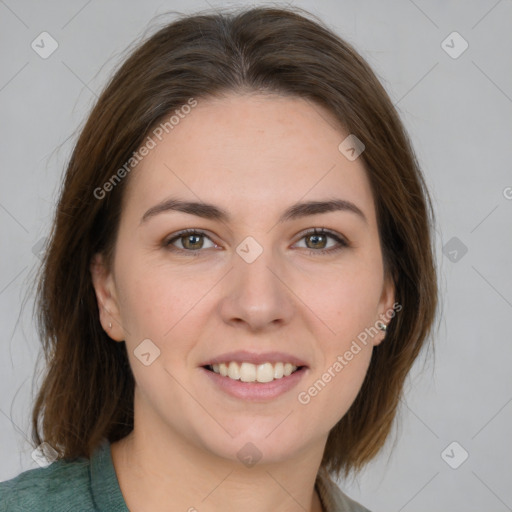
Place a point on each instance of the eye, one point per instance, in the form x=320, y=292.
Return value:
x=192, y=241
x=318, y=240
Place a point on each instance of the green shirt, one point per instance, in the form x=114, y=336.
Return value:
x=83, y=485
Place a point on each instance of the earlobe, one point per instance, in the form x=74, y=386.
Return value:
x=104, y=288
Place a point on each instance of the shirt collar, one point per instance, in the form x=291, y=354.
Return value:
x=332, y=497
x=105, y=488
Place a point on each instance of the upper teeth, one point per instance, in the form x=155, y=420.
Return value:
x=248, y=372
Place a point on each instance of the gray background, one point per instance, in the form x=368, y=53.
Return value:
x=458, y=113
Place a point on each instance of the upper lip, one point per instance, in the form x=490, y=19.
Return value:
x=244, y=356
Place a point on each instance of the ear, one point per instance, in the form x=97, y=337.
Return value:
x=386, y=307
x=108, y=307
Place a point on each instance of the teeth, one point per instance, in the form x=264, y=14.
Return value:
x=248, y=372
x=233, y=371
x=278, y=370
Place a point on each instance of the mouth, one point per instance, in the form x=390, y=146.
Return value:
x=251, y=376
x=257, y=373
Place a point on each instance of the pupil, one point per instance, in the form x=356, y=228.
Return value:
x=191, y=237
x=315, y=237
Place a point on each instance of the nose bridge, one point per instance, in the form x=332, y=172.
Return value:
x=257, y=294
x=252, y=267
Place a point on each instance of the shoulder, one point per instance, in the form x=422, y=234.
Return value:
x=332, y=497
x=62, y=486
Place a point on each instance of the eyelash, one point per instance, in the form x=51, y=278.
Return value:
x=322, y=231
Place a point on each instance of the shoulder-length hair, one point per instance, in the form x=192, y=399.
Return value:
x=88, y=388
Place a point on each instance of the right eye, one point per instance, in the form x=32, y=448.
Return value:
x=190, y=240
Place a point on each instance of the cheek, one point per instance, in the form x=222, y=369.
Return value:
x=335, y=382
x=349, y=300
x=166, y=308
x=348, y=305
x=154, y=299
x=331, y=390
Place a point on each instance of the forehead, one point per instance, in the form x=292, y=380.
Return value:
x=252, y=152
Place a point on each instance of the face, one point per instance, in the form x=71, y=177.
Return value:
x=252, y=286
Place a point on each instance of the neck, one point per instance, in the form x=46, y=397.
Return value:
x=158, y=471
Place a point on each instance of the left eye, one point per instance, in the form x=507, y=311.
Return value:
x=323, y=235
x=193, y=240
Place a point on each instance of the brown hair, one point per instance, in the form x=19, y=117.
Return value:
x=87, y=391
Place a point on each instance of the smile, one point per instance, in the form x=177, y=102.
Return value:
x=248, y=372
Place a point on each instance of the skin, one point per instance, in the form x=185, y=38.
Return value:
x=253, y=155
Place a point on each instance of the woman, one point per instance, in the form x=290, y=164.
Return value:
x=239, y=278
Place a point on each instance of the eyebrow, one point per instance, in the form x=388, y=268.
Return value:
x=212, y=212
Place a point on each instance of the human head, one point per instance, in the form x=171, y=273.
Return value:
x=268, y=51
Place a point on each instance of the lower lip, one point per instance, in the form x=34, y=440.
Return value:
x=255, y=391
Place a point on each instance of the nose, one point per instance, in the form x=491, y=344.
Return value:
x=257, y=293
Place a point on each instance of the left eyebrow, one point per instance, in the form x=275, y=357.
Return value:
x=213, y=212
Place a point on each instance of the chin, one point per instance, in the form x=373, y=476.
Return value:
x=250, y=447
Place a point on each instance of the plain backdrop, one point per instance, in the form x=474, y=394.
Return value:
x=456, y=103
